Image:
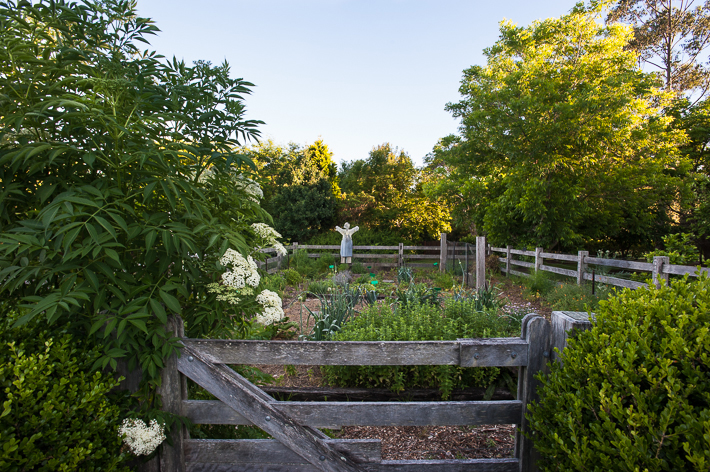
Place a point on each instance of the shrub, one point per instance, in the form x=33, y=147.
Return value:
x=56, y=415
x=292, y=277
x=680, y=249
x=335, y=311
x=320, y=287
x=358, y=268
x=444, y=280
x=303, y=264
x=573, y=297
x=634, y=392
x=418, y=323
x=538, y=284
x=275, y=283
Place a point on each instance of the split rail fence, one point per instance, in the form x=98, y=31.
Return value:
x=298, y=445
x=659, y=270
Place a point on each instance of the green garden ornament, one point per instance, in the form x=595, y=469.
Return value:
x=346, y=245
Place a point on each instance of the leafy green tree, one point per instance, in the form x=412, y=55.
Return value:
x=120, y=185
x=563, y=140
x=385, y=193
x=305, y=210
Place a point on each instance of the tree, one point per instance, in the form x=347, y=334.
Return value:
x=564, y=142
x=672, y=37
x=120, y=186
x=305, y=210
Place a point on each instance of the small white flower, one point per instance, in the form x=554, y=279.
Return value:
x=251, y=188
x=141, y=439
x=241, y=272
x=273, y=311
x=269, y=236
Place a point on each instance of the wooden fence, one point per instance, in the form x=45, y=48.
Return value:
x=446, y=254
x=658, y=270
x=298, y=445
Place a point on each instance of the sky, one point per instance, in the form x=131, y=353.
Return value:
x=354, y=73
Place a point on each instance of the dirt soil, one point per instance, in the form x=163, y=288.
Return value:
x=410, y=442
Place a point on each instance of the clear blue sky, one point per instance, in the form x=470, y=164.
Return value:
x=355, y=73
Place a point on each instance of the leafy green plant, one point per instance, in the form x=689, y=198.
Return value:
x=320, y=287
x=538, y=284
x=358, y=268
x=363, y=279
x=56, y=415
x=416, y=294
x=484, y=299
x=275, y=283
x=572, y=297
x=335, y=311
x=420, y=322
x=634, y=391
x=444, y=280
x=303, y=264
x=679, y=248
x=405, y=275
x=293, y=278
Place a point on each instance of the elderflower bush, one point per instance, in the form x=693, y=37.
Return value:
x=268, y=235
x=250, y=187
x=140, y=438
x=272, y=307
x=242, y=272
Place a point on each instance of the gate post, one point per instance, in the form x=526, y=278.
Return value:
x=172, y=390
x=400, y=259
x=536, y=331
x=581, y=266
x=480, y=262
x=658, y=276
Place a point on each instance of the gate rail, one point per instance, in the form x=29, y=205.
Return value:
x=298, y=445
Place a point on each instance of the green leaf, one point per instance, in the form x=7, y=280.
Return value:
x=112, y=254
x=159, y=311
x=171, y=302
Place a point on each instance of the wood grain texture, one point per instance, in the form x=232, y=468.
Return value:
x=631, y=265
x=493, y=352
x=564, y=325
x=617, y=282
x=516, y=272
x=328, y=352
x=529, y=265
x=322, y=394
x=582, y=257
x=250, y=402
x=434, y=257
x=442, y=253
x=247, y=451
x=560, y=257
x=497, y=249
x=422, y=248
x=464, y=465
x=536, y=331
x=682, y=270
x=335, y=415
x=171, y=392
x=559, y=270
x=522, y=253
x=480, y=262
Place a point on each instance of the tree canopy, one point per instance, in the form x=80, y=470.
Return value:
x=563, y=142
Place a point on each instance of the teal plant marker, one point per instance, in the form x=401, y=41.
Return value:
x=373, y=275
x=374, y=282
x=436, y=263
x=331, y=267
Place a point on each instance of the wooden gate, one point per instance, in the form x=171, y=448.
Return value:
x=298, y=445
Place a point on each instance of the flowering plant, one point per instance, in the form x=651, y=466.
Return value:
x=140, y=438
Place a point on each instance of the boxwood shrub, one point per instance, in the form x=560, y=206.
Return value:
x=634, y=392
x=55, y=414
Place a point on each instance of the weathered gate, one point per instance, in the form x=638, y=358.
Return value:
x=298, y=445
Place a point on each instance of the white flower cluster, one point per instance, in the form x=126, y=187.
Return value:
x=141, y=439
x=250, y=187
x=269, y=235
x=241, y=272
x=273, y=311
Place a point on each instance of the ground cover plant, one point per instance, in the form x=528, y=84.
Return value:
x=634, y=392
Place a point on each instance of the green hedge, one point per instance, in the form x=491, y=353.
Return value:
x=634, y=393
x=55, y=414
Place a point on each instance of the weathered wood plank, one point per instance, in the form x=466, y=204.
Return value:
x=564, y=325
x=250, y=402
x=464, y=465
x=558, y=270
x=270, y=451
x=337, y=394
x=631, y=265
x=499, y=352
x=536, y=331
x=682, y=270
x=603, y=279
x=375, y=256
x=443, y=255
x=318, y=246
x=172, y=392
x=480, y=262
x=433, y=257
x=422, y=248
x=515, y=272
x=560, y=257
x=530, y=265
x=328, y=352
x=335, y=415
x=498, y=249
x=383, y=248
x=522, y=253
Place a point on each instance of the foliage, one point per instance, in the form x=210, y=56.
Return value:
x=121, y=187
x=679, y=248
x=302, y=211
x=483, y=299
x=364, y=237
x=56, y=415
x=419, y=322
x=572, y=297
x=634, y=392
x=563, y=140
x=671, y=37
x=336, y=309
x=383, y=192
x=320, y=287
x=275, y=283
x=405, y=275
x=293, y=278
x=538, y=284
x=444, y=280
x=416, y=294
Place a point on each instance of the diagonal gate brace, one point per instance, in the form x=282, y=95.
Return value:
x=255, y=405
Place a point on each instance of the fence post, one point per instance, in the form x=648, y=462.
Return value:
x=581, y=266
x=564, y=324
x=658, y=276
x=480, y=262
x=442, y=253
x=172, y=390
x=465, y=269
x=538, y=258
x=536, y=331
x=400, y=262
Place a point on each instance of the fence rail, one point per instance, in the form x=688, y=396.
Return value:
x=298, y=445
